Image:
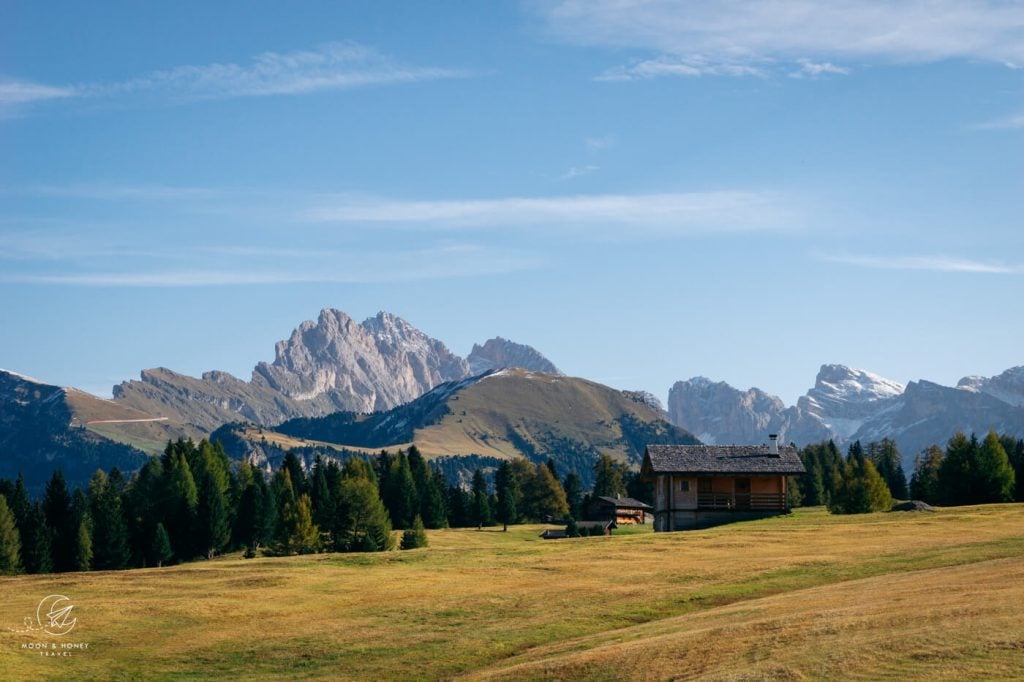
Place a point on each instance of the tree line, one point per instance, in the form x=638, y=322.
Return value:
x=193, y=502
x=966, y=471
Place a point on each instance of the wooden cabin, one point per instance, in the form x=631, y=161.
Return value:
x=621, y=510
x=696, y=486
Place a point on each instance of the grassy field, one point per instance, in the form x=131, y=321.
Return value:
x=808, y=596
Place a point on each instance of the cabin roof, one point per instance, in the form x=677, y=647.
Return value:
x=624, y=502
x=721, y=459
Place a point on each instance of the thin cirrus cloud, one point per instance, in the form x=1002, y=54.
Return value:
x=719, y=37
x=333, y=66
x=932, y=263
x=363, y=267
x=669, y=214
x=14, y=92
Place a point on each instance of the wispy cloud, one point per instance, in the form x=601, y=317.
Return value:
x=809, y=69
x=334, y=66
x=577, y=171
x=117, y=192
x=679, y=213
x=691, y=66
x=1007, y=123
x=934, y=263
x=23, y=92
x=359, y=267
x=738, y=32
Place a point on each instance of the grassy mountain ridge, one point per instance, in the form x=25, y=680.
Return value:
x=501, y=415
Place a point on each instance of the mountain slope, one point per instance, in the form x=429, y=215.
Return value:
x=44, y=427
x=504, y=414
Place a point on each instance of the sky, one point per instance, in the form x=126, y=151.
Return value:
x=645, y=191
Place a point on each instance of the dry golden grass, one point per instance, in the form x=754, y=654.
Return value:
x=805, y=596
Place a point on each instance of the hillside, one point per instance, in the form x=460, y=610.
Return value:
x=44, y=427
x=806, y=596
x=503, y=414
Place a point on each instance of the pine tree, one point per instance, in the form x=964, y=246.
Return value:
x=886, y=458
x=36, y=546
x=573, y=495
x=293, y=466
x=109, y=535
x=10, y=541
x=181, y=499
x=415, y=537
x=398, y=490
x=144, y=507
x=994, y=476
x=508, y=495
x=481, y=509
x=458, y=504
x=957, y=473
x=82, y=556
x=608, y=478
x=924, y=484
x=321, y=496
x=59, y=518
x=363, y=523
x=428, y=490
x=212, y=531
x=160, y=549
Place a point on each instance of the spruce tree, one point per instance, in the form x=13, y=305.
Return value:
x=181, y=499
x=212, y=531
x=994, y=476
x=608, y=481
x=508, y=495
x=160, y=549
x=924, y=484
x=415, y=537
x=398, y=490
x=573, y=495
x=10, y=541
x=61, y=521
x=82, y=555
x=37, y=550
x=481, y=509
x=957, y=473
x=886, y=458
x=109, y=535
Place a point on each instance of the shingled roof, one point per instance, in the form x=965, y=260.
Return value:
x=721, y=459
x=626, y=502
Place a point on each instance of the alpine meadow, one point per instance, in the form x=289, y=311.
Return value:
x=566, y=340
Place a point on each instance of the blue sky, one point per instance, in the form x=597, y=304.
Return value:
x=644, y=191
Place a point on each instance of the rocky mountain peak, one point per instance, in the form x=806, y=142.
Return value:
x=499, y=353
x=1007, y=387
x=847, y=393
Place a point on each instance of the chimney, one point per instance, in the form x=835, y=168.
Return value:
x=773, y=444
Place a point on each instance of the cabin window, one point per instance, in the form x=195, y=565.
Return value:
x=684, y=485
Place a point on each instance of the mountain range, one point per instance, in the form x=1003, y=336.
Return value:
x=339, y=385
x=330, y=365
x=500, y=414
x=847, y=404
